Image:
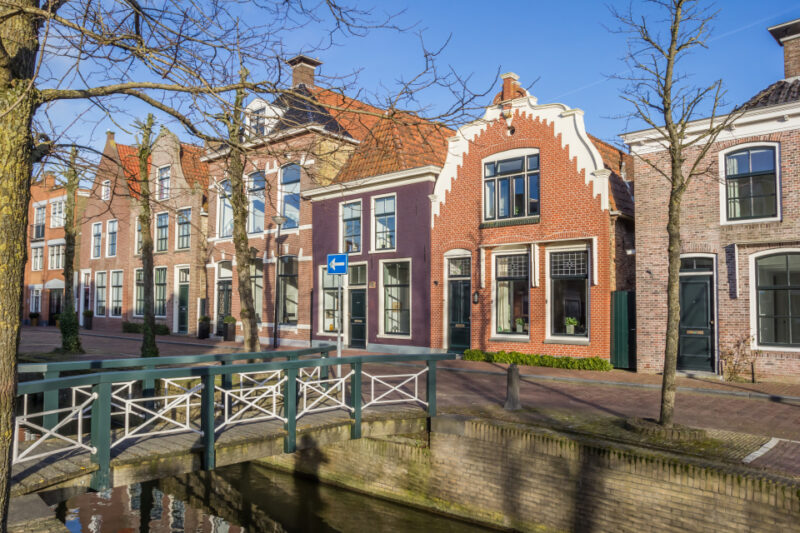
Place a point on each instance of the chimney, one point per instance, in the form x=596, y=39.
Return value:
x=109, y=136
x=788, y=36
x=303, y=68
x=510, y=85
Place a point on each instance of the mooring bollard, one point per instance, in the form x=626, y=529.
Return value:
x=512, y=389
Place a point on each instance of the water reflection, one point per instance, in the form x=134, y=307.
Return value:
x=243, y=498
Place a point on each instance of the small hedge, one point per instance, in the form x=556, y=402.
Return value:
x=136, y=327
x=572, y=363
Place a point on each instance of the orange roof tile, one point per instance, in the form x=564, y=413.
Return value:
x=356, y=117
x=194, y=170
x=129, y=158
x=616, y=160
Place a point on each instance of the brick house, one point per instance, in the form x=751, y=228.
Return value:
x=377, y=211
x=296, y=142
x=531, y=219
x=740, y=231
x=44, y=270
x=111, y=274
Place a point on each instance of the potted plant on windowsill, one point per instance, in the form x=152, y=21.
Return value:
x=87, y=319
x=230, y=328
x=570, y=322
x=203, y=327
x=520, y=325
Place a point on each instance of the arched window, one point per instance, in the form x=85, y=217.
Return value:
x=778, y=299
x=290, y=195
x=255, y=208
x=225, y=210
x=750, y=184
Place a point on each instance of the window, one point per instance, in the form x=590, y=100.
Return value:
x=184, y=228
x=57, y=214
x=138, y=236
x=55, y=259
x=511, y=188
x=750, y=184
x=38, y=223
x=255, y=199
x=569, y=285
x=385, y=223
x=288, y=292
x=160, y=281
x=396, y=298
x=100, y=294
x=330, y=301
x=357, y=275
x=97, y=239
x=162, y=232
x=37, y=258
x=225, y=210
x=257, y=286
x=105, y=190
x=162, y=186
x=290, y=195
x=111, y=230
x=36, y=300
x=116, y=293
x=351, y=226
x=512, y=294
x=258, y=121
x=778, y=299
x=138, y=305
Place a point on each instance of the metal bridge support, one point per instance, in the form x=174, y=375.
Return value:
x=355, y=399
x=101, y=436
x=290, y=411
x=431, y=388
x=207, y=423
x=50, y=402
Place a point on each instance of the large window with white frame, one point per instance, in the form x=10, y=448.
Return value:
x=162, y=183
x=160, y=281
x=115, y=309
x=778, y=299
x=36, y=300
x=288, y=292
x=384, y=222
x=162, y=232
x=225, y=217
x=184, y=220
x=511, y=188
x=97, y=239
x=100, y=294
x=256, y=186
x=569, y=289
x=57, y=214
x=351, y=227
x=397, y=298
x=330, y=301
x=55, y=259
x=38, y=222
x=512, y=294
x=37, y=258
x=138, y=302
x=290, y=195
x=751, y=184
x=111, y=238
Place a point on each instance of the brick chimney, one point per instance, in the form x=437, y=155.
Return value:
x=510, y=84
x=303, y=68
x=109, y=136
x=788, y=36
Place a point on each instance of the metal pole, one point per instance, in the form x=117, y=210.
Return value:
x=277, y=266
x=339, y=329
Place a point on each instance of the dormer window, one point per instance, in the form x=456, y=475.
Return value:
x=258, y=121
x=511, y=188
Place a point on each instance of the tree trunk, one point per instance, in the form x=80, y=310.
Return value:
x=673, y=303
x=149, y=347
x=70, y=332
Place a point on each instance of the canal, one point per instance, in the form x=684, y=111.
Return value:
x=242, y=498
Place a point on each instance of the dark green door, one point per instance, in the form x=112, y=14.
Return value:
x=223, y=303
x=183, y=300
x=358, y=318
x=696, y=340
x=459, y=313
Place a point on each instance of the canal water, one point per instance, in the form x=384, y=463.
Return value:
x=243, y=498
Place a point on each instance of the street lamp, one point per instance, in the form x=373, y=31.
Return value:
x=279, y=221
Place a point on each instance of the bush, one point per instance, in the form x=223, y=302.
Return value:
x=229, y=320
x=136, y=327
x=204, y=318
x=572, y=363
x=88, y=312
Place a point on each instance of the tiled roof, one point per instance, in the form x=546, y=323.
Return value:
x=129, y=158
x=194, y=170
x=356, y=117
x=299, y=110
x=399, y=142
x=780, y=92
x=621, y=192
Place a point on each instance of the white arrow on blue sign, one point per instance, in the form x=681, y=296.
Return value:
x=337, y=264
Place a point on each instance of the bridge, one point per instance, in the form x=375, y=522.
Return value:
x=112, y=422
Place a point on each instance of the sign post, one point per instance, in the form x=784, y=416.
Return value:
x=337, y=266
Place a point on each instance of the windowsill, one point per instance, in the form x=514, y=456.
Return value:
x=393, y=250
x=326, y=333
x=750, y=221
x=161, y=252
x=500, y=337
x=773, y=348
x=577, y=341
x=390, y=336
x=521, y=221
x=182, y=249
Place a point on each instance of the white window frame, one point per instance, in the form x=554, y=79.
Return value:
x=105, y=190
x=155, y=232
x=57, y=220
x=723, y=193
x=178, y=227
x=108, y=237
x=754, y=304
x=58, y=259
x=510, y=154
x=321, y=302
x=137, y=237
x=41, y=258
x=361, y=221
x=159, y=191
x=38, y=299
x=373, y=225
x=166, y=291
x=714, y=297
x=282, y=191
x=549, y=338
x=109, y=291
x=220, y=190
x=176, y=295
x=39, y=208
x=133, y=307
x=105, y=297
x=499, y=252
x=456, y=253
x=249, y=196
x=94, y=234
x=381, y=333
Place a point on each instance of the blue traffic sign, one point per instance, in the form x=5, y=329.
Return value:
x=337, y=264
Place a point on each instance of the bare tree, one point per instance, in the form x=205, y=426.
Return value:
x=662, y=97
x=70, y=334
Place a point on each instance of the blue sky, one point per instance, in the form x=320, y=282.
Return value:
x=563, y=44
